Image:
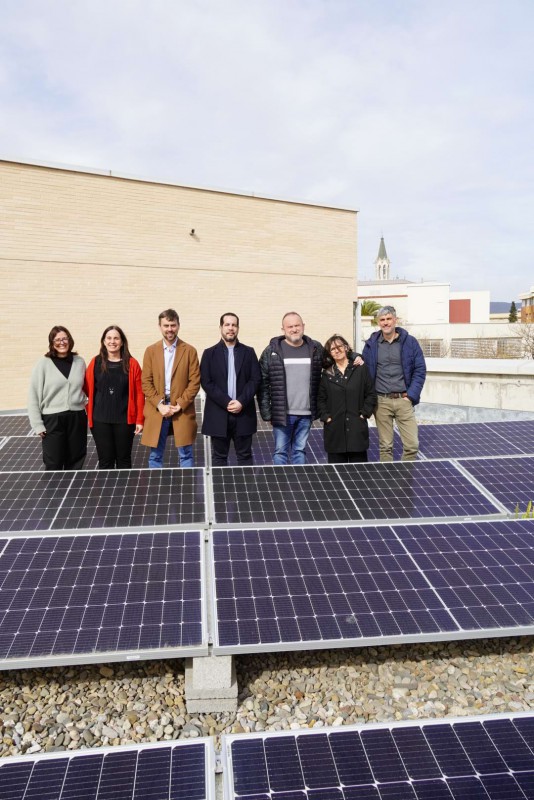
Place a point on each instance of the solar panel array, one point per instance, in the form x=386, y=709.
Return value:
x=73, y=597
x=475, y=759
x=435, y=441
x=178, y=770
x=292, y=588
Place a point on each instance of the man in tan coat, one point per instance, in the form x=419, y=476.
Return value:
x=171, y=381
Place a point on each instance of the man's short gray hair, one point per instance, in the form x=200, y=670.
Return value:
x=386, y=310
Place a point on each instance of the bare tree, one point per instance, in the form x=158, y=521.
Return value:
x=525, y=332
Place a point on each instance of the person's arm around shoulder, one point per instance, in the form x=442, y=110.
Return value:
x=35, y=398
x=264, y=391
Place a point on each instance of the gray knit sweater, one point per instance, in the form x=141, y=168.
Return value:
x=51, y=393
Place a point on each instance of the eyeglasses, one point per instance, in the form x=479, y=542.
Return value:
x=60, y=341
x=336, y=347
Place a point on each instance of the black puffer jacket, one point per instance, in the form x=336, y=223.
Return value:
x=272, y=394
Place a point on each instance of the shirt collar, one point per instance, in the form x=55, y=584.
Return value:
x=170, y=347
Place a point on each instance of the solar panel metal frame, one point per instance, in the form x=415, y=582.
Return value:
x=210, y=759
x=100, y=656
x=227, y=740
x=362, y=641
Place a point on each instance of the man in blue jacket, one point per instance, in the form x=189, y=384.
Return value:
x=230, y=376
x=397, y=366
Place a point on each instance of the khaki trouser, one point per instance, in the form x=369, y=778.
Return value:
x=402, y=411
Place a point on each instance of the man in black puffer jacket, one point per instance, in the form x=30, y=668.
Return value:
x=290, y=376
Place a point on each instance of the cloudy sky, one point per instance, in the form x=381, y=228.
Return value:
x=418, y=113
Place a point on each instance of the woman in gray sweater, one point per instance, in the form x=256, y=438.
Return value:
x=56, y=403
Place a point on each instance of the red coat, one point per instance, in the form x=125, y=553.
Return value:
x=136, y=398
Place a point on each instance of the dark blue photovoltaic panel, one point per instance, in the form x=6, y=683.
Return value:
x=132, y=498
x=510, y=480
x=263, y=447
x=463, y=440
x=412, y=490
x=519, y=433
x=30, y=502
x=19, y=453
x=81, y=595
x=462, y=760
x=311, y=493
x=325, y=585
x=482, y=571
x=174, y=771
x=102, y=499
x=14, y=425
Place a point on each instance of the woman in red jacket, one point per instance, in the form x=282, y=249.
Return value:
x=116, y=400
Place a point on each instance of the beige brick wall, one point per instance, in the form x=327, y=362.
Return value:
x=87, y=250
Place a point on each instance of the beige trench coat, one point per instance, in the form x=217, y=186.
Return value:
x=185, y=385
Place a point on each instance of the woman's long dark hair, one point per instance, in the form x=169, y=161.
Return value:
x=327, y=356
x=52, y=335
x=125, y=352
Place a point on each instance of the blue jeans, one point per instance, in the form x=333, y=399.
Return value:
x=290, y=440
x=185, y=453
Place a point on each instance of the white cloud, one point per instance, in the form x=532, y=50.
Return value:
x=415, y=112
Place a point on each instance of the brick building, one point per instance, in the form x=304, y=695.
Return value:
x=86, y=249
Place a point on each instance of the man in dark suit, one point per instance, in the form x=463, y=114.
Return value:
x=230, y=376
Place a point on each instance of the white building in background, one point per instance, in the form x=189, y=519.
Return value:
x=446, y=323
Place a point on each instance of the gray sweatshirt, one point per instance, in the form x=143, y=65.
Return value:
x=51, y=393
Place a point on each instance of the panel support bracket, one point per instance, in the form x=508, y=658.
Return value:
x=210, y=684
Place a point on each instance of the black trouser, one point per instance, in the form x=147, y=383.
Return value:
x=65, y=442
x=347, y=458
x=113, y=444
x=220, y=446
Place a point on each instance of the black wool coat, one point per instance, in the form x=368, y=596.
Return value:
x=344, y=400
x=214, y=381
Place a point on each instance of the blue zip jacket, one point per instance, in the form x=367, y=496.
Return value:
x=412, y=359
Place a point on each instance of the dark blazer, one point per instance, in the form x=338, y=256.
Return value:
x=214, y=381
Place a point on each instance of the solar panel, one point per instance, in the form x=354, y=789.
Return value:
x=67, y=599
x=18, y=453
x=412, y=490
x=101, y=499
x=263, y=447
x=285, y=589
x=519, y=433
x=510, y=480
x=280, y=494
x=483, y=572
x=179, y=770
x=133, y=498
x=14, y=425
x=472, y=759
x=464, y=440
x=30, y=501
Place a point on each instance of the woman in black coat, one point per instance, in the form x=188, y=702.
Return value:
x=346, y=400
